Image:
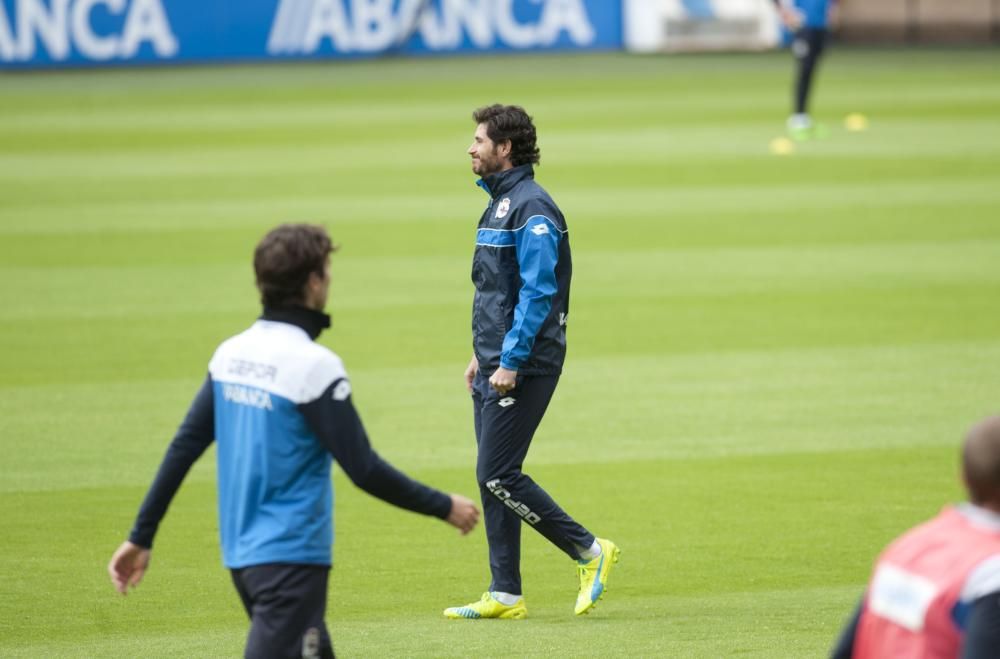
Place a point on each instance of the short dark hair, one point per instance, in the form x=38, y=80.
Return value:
x=284, y=259
x=981, y=462
x=510, y=122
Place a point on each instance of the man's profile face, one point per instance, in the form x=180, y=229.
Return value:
x=485, y=159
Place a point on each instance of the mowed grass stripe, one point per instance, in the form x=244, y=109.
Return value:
x=41, y=350
x=633, y=408
x=694, y=212
x=202, y=285
x=627, y=94
x=927, y=77
x=663, y=139
x=774, y=631
x=684, y=125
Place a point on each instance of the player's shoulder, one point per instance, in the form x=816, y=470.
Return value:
x=324, y=363
x=984, y=579
x=227, y=348
x=311, y=368
x=325, y=371
x=530, y=191
x=535, y=201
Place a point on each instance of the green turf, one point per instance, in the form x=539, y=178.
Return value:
x=772, y=359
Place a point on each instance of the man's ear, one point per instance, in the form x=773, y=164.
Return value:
x=315, y=280
x=312, y=284
x=503, y=149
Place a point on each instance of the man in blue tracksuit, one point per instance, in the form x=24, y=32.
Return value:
x=521, y=271
x=278, y=405
x=808, y=21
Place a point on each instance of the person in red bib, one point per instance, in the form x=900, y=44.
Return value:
x=935, y=590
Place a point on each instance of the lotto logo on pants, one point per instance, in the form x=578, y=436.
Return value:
x=522, y=510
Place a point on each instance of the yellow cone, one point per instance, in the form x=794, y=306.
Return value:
x=781, y=146
x=856, y=122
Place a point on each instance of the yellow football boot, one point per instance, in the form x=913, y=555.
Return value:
x=594, y=576
x=488, y=607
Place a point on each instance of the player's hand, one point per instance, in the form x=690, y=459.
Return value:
x=791, y=17
x=470, y=372
x=503, y=380
x=127, y=566
x=464, y=515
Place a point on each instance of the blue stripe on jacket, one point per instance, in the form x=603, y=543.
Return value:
x=495, y=237
x=537, y=244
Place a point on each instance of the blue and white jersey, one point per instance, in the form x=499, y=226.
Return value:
x=279, y=407
x=275, y=493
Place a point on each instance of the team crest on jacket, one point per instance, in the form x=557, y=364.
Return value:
x=503, y=207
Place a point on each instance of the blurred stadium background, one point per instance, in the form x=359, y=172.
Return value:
x=772, y=357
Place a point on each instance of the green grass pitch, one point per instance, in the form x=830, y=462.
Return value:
x=772, y=359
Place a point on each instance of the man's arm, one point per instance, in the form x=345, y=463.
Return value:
x=336, y=424
x=790, y=15
x=981, y=595
x=537, y=245
x=845, y=644
x=470, y=373
x=982, y=632
x=195, y=434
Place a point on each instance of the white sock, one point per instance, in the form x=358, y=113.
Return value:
x=593, y=552
x=505, y=598
x=799, y=122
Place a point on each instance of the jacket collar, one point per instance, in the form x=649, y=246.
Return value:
x=503, y=182
x=312, y=322
x=980, y=516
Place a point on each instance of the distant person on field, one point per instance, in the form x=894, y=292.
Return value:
x=279, y=405
x=808, y=21
x=521, y=270
x=935, y=591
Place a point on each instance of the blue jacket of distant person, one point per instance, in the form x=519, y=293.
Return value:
x=521, y=270
x=815, y=13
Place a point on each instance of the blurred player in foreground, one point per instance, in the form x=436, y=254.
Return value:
x=278, y=405
x=521, y=270
x=808, y=21
x=935, y=591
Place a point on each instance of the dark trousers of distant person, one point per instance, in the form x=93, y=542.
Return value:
x=286, y=605
x=505, y=425
x=807, y=46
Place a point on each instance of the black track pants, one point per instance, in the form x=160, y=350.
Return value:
x=505, y=426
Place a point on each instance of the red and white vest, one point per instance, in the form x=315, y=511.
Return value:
x=914, y=602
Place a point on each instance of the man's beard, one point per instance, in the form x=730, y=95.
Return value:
x=489, y=166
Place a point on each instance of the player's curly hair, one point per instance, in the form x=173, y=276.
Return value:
x=284, y=259
x=511, y=122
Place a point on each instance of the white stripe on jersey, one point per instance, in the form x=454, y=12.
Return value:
x=279, y=358
x=983, y=580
